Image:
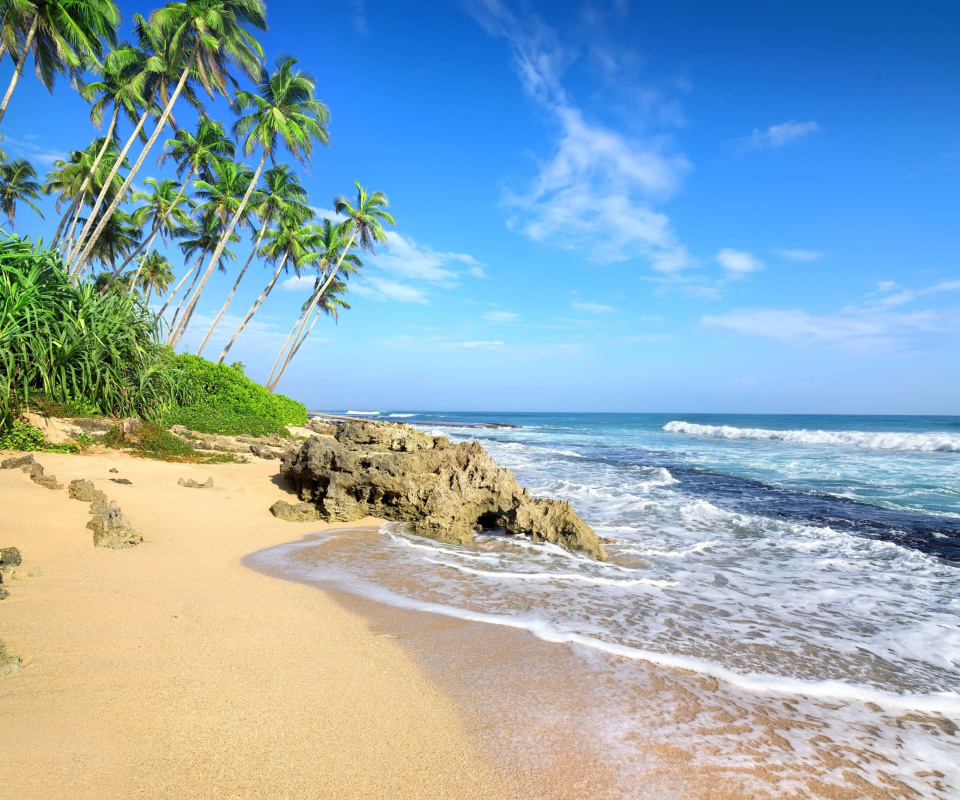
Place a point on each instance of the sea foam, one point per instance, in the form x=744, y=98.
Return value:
x=874, y=440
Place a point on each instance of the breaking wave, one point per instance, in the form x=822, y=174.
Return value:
x=880, y=440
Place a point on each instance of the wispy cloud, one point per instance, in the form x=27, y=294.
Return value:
x=31, y=148
x=500, y=316
x=594, y=193
x=408, y=259
x=591, y=308
x=799, y=255
x=383, y=290
x=872, y=326
x=739, y=262
x=360, y=23
x=777, y=136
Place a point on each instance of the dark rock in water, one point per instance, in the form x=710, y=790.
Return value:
x=446, y=490
x=8, y=663
x=294, y=512
x=125, y=481
x=9, y=560
x=84, y=490
x=190, y=483
x=111, y=528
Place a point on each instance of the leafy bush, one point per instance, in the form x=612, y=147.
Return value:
x=74, y=346
x=154, y=441
x=20, y=436
x=221, y=399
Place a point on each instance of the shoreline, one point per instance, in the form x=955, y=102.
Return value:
x=171, y=670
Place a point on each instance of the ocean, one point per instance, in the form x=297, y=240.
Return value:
x=807, y=557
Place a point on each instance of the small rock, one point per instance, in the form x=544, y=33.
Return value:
x=8, y=663
x=294, y=512
x=84, y=490
x=48, y=482
x=263, y=451
x=36, y=572
x=4, y=594
x=129, y=426
x=190, y=483
x=111, y=528
x=114, y=469
x=9, y=559
x=17, y=462
x=122, y=480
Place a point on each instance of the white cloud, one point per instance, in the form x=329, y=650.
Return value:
x=872, y=326
x=383, y=289
x=299, y=283
x=408, y=259
x=592, y=308
x=500, y=316
x=479, y=345
x=777, y=136
x=360, y=17
x=799, y=255
x=739, y=262
x=887, y=286
x=593, y=194
x=29, y=148
x=477, y=271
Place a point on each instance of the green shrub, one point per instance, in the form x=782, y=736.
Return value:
x=20, y=436
x=220, y=399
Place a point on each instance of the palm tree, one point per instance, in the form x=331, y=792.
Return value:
x=328, y=303
x=280, y=191
x=120, y=238
x=163, y=209
x=282, y=111
x=198, y=153
x=290, y=243
x=224, y=194
x=61, y=34
x=17, y=185
x=155, y=274
x=364, y=220
x=202, y=38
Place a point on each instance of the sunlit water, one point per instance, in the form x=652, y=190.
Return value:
x=783, y=556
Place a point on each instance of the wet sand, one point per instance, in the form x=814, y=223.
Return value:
x=170, y=670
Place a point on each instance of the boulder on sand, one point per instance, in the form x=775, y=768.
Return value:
x=294, y=512
x=445, y=490
x=190, y=483
x=8, y=663
x=110, y=527
x=84, y=490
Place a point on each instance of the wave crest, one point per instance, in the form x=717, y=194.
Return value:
x=876, y=440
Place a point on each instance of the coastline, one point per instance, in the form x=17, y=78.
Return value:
x=171, y=670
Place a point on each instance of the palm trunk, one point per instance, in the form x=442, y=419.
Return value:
x=254, y=308
x=233, y=291
x=143, y=259
x=20, y=62
x=183, y=299
x=86, y=181
x=85, y=255
x=146, y=297
x=221, y=244
x=74, y=204
x=313, y=300
x=286, y=341
x=295, y=349
x=176, y=289
x=107, y=184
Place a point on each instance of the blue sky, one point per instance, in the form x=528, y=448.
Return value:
x=615, y=206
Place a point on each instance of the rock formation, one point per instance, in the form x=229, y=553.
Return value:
x=30, y=465
x=9, y=561
x=190, y=483
x=8, y=663
x=294, y=512
x=110, y=525
x=446, y=490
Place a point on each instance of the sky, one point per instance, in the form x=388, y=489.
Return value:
x=603, y=205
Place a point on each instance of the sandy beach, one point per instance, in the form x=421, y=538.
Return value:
x=171, y=670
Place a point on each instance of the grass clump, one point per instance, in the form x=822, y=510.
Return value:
x=221, y=399
x=26, y=438
x=155, y=442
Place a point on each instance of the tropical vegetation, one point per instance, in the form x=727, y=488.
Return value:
x=93, y=318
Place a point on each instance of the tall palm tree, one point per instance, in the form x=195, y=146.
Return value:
x=202, y=38
x=364, y=219
x=281, y=190
x=197, y=154
x=61, y=34
x=120, y=238
x=17, y=185
x=155, y=274
x=162, y=211
x=290, y=243
x=224, y=195
x=283, y=111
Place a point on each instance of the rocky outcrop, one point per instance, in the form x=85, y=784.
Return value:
x=110, y=525
x=29, y=465
x=269, y=447
x=9, y=561
x=190, y=483
x=294, y=512
x=446, y=490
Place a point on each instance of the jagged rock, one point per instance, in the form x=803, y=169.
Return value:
x=95, y=428
x=294, y=512
x=10, y=559
x=320, y=426
x=114, y=469
x=129, y=426
x=8, y=663
x=262, y=451
x=125, y=481
x=84, y=490
x=190, y=483
x=18, y=462
x=110, y=527
x=47, y=482
x=445, y=490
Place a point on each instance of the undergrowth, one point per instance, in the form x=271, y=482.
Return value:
x=155, y=442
